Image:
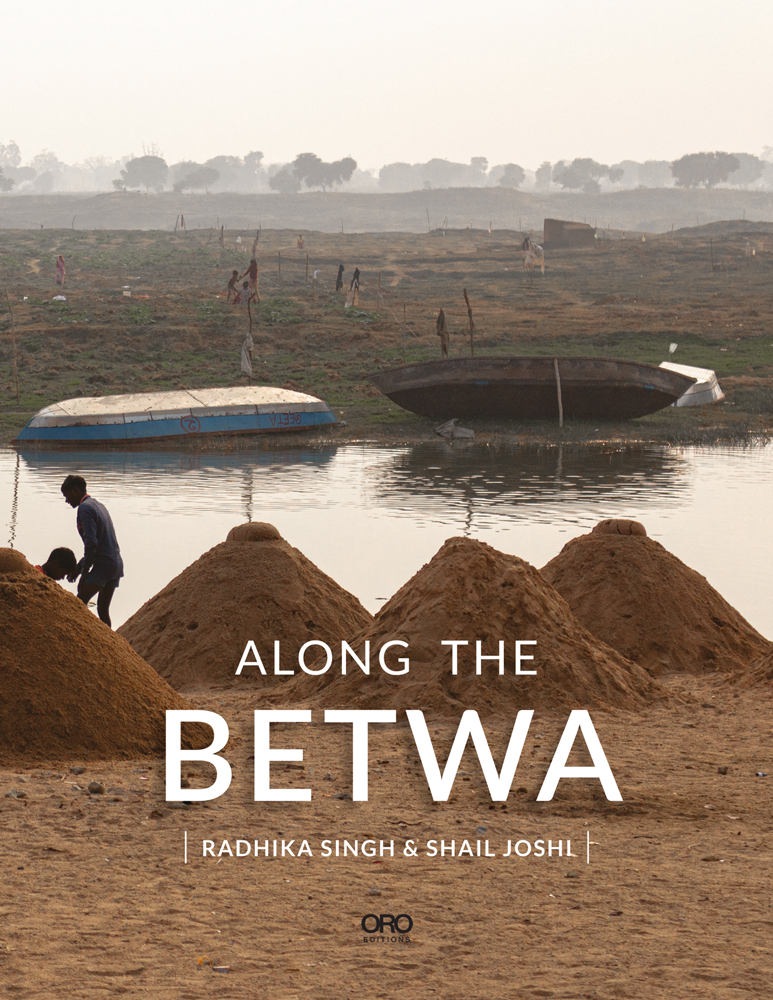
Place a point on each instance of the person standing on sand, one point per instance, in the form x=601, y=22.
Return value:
x=101, y=568
x=232, y=285
x=340, y=278
x=60, y=270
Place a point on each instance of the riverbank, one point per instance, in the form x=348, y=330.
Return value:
x=626, y=299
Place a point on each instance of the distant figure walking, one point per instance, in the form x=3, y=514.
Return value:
x=299, y=244
x=232, y=285
x=533, y=256
x=101, y=568
x=442, y=332
x=340, y=278
x=60, y=270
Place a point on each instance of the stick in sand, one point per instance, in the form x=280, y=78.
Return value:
x=13, y=338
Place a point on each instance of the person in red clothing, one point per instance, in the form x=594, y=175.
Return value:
x=60, y=563
x=60, y=270
x=252, y=274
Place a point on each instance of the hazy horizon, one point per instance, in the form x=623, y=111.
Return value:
x=513, y=82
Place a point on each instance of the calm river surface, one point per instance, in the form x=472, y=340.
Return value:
x=370, y=517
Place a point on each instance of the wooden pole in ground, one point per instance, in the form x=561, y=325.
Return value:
x=13, y=338
x=558, y=389
x=472, y=324
x=307, y=268
x=429, y=224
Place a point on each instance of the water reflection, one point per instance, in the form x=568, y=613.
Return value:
x=370, y=517
x=180, y=482
x=540, y=484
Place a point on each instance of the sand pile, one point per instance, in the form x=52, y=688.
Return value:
x=644, y=602
x=69, y=687
x=472, y=591
x=761, y=671
x=252, y=586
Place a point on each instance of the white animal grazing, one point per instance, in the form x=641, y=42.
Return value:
x=533, y=256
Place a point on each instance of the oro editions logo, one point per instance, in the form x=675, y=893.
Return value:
x=384, y=928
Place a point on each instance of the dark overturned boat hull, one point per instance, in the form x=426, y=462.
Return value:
x=528, y=388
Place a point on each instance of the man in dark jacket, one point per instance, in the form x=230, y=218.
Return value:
x=101, y=567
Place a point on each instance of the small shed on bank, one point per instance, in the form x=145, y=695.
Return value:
x=559, y=234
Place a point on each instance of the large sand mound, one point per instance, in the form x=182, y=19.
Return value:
x=472, y=591
x=69, y=686
x=761, y=671
x=252, y=586
x=641, y=600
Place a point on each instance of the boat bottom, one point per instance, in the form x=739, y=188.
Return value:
x=503, y=401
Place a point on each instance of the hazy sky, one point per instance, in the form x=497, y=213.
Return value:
x=389, y=80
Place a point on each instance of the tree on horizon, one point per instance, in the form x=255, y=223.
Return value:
x=513, y=176
x=143, y=171
x=202, y=178
x=584, y=173
x=311, y=171
x=706, y=169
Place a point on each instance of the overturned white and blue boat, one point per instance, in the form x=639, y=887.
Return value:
x=186, y=413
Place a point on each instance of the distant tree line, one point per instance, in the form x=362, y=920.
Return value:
x=45, y=172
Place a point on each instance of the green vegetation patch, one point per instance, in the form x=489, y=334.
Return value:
x=280, y=309
x=140, y=314
x=362, y=315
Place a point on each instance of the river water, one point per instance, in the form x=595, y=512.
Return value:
x=370, y=517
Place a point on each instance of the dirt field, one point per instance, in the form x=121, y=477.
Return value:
x=675, y=902
x=646, y=210
x=624, y=298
